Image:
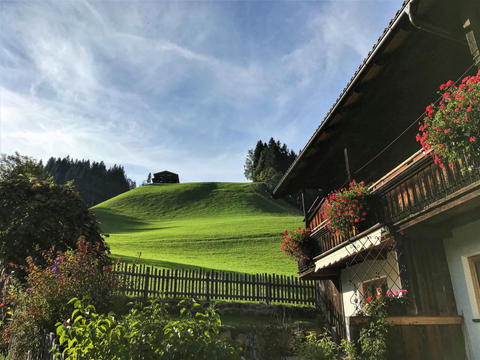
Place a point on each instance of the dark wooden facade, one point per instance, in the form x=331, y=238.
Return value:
x=419, y=203
x=165, y=177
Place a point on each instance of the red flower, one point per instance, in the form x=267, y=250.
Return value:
x=446, y=131
x=473, y=138
x=369, y=299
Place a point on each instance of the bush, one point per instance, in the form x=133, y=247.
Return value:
x=451, y=130
x=317, y=347
x=147, y=332
x=39, y=304
x=36, y=214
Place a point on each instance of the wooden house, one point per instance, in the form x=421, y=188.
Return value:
x=163, y=177
x=423, y=233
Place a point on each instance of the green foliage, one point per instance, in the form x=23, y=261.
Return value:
x=36, y=214
x=316, y=347
x=12, y=166
x=451, y=130
x=94, y=182
x=268, y=162
x=224, y=226
x=373, y=338
x=43, y=300
x=147, y=332
x=272, y=340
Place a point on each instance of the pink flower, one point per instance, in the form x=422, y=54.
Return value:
x=389, y=293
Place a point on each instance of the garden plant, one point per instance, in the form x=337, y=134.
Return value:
x=146, y=332
x=451, y=129
x=346, y=208
x=296, y=244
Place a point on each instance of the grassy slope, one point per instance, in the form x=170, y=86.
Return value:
x=226, y=226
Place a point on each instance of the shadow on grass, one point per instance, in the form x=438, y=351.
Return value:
x=112, y=222
x=165, y=264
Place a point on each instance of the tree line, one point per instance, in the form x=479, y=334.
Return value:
x=268, y=162
x=92, y=180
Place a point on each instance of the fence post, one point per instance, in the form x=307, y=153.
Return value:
x=207, y=285
x=147, y=280
x=269, y=288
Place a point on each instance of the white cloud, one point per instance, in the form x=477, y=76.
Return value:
x=143, y=83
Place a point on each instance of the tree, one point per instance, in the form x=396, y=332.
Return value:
x=36, y=214
x=149, y=178
x=92, y=180
x=268, y=162
x=13, y=165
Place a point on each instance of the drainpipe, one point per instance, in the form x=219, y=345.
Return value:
x=427, y=27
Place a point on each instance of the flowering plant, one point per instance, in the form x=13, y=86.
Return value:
x=346, y=207
x=295, y=243
x=451, y=130
x=43, y=300
x=373, y=339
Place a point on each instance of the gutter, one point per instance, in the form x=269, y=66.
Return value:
x=408, y=9
x=421, y=25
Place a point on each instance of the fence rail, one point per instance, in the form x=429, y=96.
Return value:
x=145, y=281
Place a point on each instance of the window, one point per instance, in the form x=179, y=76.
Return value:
x=369, y=288
x=474, y=263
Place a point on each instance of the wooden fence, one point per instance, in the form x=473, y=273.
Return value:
x=145, y=281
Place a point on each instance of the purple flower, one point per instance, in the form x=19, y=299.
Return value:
x=28, y=290
x=54, y=269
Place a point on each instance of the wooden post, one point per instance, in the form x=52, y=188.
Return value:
x=147, y=282
x=268, y=294
x=347, y=164
x=472, y=33
x=304, y=209
x=207, y=285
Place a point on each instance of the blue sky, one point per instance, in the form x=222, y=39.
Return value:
x=185, y=86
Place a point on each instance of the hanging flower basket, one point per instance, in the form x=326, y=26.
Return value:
x=451, y=130
x=297, y=244
x=346, y=208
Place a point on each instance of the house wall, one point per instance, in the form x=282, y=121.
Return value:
x=353, y=276
x=465, y=242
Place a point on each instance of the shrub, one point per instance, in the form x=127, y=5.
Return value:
x=451, y=129
x=36, y=214
x=296, y=244
x=39, y=304
x=346, y=208
x=320, y=347
x=147, y=332
x=373, y=338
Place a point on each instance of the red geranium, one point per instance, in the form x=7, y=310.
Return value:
x=346, y=207
x=294, y=243
x=450, y=129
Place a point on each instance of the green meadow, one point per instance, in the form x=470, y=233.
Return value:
x=223, y=226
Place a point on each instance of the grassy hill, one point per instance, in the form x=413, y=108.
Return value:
x=224, y=226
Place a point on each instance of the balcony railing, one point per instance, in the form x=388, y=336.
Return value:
x=416, y=186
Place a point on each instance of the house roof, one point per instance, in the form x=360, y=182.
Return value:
x=165, y=172
x=389, y=90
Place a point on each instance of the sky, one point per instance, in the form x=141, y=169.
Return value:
x=184, y=86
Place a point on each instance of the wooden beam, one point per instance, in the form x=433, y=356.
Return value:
x=304, y=208
x=425, y=320
x=347, y=164
x=412, y=320
x=472, y=33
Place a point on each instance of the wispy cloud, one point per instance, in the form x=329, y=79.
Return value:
x=182, y=86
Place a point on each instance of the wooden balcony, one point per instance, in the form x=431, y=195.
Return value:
x=414, y=191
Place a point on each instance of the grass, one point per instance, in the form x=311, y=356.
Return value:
x=223, y=226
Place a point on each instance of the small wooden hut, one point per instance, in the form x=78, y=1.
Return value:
x=165, y=177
